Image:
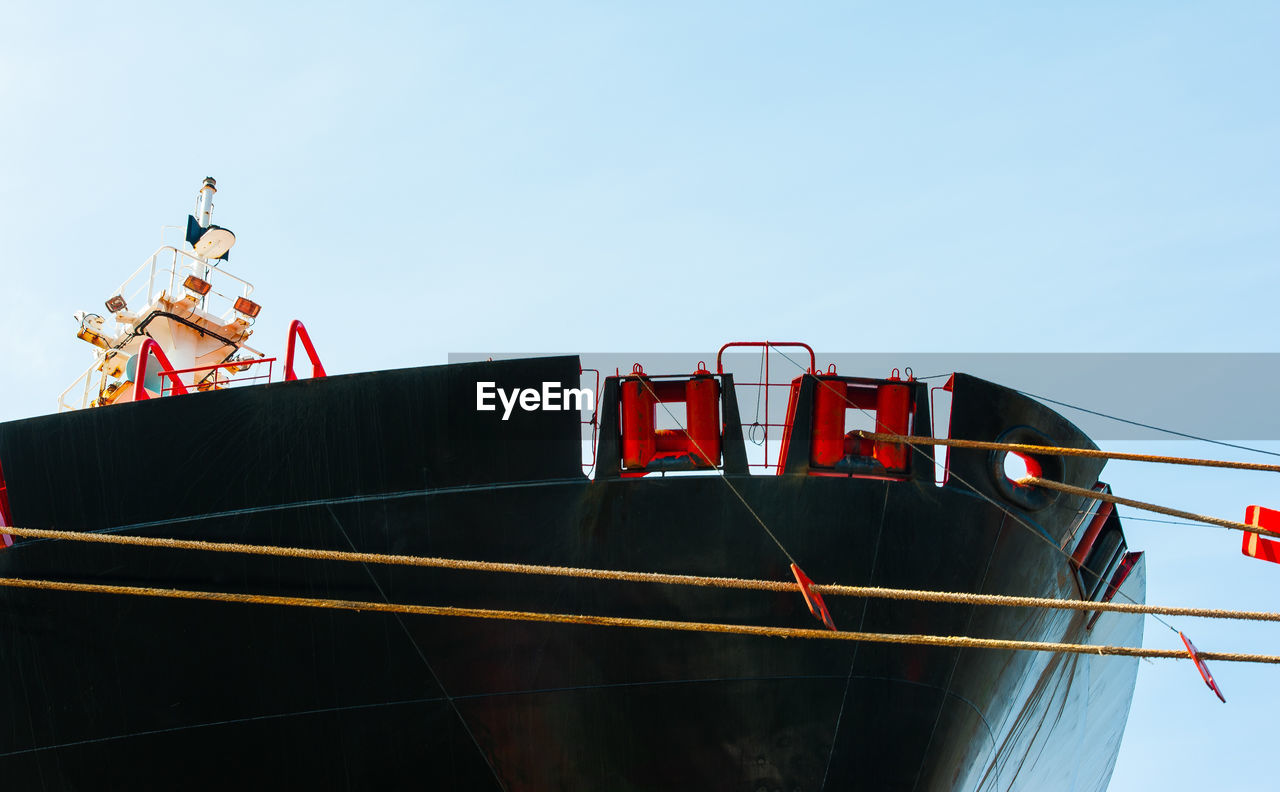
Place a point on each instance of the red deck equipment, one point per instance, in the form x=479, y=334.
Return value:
x=893, y=415
x=889, y=403
x=643, y=443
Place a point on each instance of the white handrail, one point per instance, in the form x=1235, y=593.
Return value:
x=197, y=264
x=87, y=377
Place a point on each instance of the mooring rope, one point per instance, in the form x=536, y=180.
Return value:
x=1017, y=519
x=955, y=641
x=1131, y=422
x=870, y=592
x=928, y=458
x=1137, y=504
x=1091, y=453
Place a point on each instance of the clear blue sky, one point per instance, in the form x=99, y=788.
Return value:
x=415, y=179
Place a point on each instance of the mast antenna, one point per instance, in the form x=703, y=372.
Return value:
x=204, y=202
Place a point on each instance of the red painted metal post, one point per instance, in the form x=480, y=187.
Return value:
x=296, y=331
x=6, y=540
x=767, y=381
x=149, y=348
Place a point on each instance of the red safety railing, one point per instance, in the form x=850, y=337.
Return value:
x=760, y=429
x=214, y=378
x=296, y=331
x=233, y=367
x=149, y=349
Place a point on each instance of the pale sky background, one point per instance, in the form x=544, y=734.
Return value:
x=418, y=179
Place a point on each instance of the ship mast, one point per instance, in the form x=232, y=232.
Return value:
x=204, y=202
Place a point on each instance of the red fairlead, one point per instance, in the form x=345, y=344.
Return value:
x=890, y=405
x=695, y=446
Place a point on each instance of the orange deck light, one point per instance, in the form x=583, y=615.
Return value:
x=247, y=307
x=196, y=285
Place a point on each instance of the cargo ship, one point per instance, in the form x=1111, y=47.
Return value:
x=182, y=431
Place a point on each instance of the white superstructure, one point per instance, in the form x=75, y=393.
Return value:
x=198, y=314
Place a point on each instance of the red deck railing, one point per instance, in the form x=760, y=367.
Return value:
x=213, y=380
x=149, y=349
x=297, y=331
x=760, y=429
x=233, y=367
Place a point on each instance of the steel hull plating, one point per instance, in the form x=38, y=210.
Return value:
x=144, y=693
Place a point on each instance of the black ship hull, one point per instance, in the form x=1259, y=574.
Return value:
x=108, y=691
